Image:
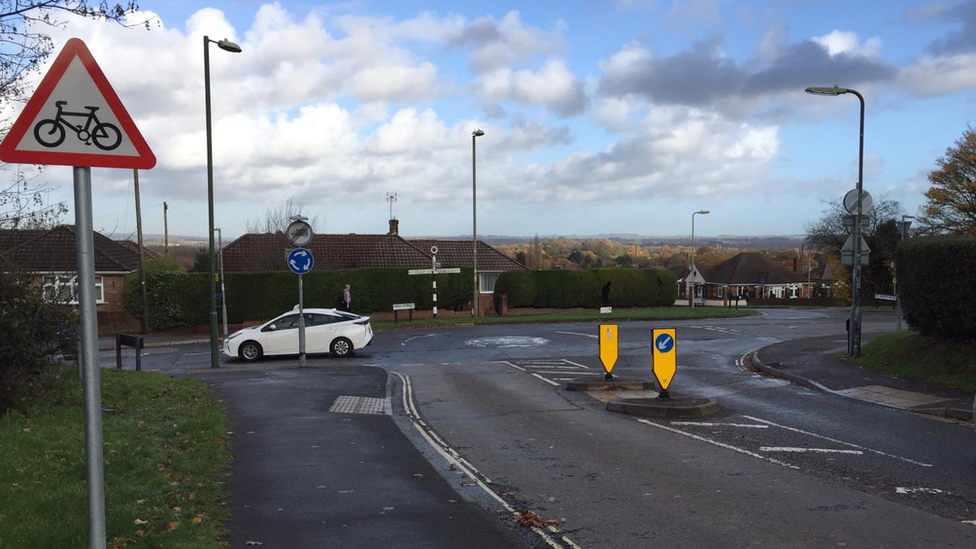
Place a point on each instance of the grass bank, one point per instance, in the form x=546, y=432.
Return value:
x=165, y=450
x=910, y=355
x=675, y=313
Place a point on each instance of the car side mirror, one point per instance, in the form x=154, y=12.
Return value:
x=273, y=327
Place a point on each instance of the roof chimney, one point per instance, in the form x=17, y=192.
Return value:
x=394, y=226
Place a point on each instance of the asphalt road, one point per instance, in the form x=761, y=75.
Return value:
x=781, y=466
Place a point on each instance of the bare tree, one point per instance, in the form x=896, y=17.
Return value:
x=278, y=216
x=24, y=46
x=828, y=233
x=951, y=206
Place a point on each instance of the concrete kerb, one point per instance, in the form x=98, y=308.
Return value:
x=598, y=383
x=666, y=408
x=758, y=364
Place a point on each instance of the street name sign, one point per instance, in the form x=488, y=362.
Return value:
x=75, y=118
x=885, y=297
x=608, y=346
x=300, y=261
x=404, y=306
x=606, y=310
x=664, y=357
x=431, y=271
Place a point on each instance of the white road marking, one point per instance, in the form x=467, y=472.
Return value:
x=409, y=339
x=576, y=364
x=851, y=444
x=189, y=354
x=814, y=450
x=920, y=490
x=558, y=372
x=973, y=522
x=513, y=366
x=706, y=424
x=549, y=381
x=551, y=367
x=462, y=464
x=719, y=444
x=579, y=334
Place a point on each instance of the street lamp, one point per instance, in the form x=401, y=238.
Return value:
x=854, y=334
x=225, y=45
x=474, y=217
x=904, y=234
x=691, y=269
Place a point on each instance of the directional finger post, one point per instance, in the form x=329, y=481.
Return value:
x=608, y=347
x=664, y=357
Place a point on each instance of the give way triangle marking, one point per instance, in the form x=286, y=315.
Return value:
x=75, y=118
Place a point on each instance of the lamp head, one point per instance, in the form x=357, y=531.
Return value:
x=227, y=45
x=702, y=212
x=819, y=90
x=477, y=133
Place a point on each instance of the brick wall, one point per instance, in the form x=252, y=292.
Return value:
x=113, y=294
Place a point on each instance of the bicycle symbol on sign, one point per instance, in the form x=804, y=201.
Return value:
x=50, y=132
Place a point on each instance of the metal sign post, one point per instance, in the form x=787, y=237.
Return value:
x=47, y=132
x=300, y=261
x=434, y=270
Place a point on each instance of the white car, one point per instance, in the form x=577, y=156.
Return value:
x=326, y=331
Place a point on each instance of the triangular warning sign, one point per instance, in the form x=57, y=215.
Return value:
x=75, y=118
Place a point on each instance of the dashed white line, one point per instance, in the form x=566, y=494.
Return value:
x=409, y=339
x=719, y=444
x=579, y=334
x=549, y=381
x=513, y=366
x=920, y=490
x=851, y=444
x=707, y=424
x=813, y=450
x=973, y=522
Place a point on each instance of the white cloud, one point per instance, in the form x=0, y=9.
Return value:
x=553, y=86
x=847, y=42
x=932, y=76
x=495, y=44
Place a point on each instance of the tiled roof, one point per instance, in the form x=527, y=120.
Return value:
x=823, y=273
x=54, y=251
x=459, y=253
x=752, y=268
x=266, y=252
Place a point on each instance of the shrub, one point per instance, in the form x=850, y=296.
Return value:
x=30, y=342
x=183, y=299
x=130, y=285
x=935, y=278
x=581, y=288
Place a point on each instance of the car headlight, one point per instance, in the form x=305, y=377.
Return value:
x=233, y=335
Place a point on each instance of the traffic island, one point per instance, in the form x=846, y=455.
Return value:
x=666, y=408
x=600, y=383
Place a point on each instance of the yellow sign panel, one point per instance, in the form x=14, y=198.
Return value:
x=608, y=346
x=664, y=358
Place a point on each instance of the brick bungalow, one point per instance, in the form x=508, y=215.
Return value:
x=266, y=252
x=747, y=274
x=50, y=256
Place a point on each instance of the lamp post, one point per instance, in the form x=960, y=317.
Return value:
x=225, y=45
x=904, y=234
x=691, y=269
x=854, y=334
x=223, y=287
x=474, y=218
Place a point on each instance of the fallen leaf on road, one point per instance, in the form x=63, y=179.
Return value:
x=346, y=491
x=529, y=518
x=454, y=467
x=471, y=483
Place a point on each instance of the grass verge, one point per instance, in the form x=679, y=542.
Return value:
x=676, y=313
x=910, y=355
x=165, y=450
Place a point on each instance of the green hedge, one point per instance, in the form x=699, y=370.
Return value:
x=935, y=280
x=182, y=299
x=581, y=288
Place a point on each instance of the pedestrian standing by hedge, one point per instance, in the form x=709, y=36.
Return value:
x=345, y=300
x=605, y=295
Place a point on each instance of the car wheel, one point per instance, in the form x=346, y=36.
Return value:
x=341, y=347
x=250, y=351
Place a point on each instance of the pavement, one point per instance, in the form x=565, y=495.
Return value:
x=812, y=362
x=319, y=462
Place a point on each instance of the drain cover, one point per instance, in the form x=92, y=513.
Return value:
x=346, y=404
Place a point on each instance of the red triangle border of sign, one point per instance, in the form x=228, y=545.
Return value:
x=75, y=48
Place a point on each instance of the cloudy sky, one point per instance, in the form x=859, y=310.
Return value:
x=599, y=116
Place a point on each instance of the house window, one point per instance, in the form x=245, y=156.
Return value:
x=721, y=292
x=64, y=289
x=488, y=281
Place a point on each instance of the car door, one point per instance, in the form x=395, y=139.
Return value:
x=281, y=336
x=320, y=332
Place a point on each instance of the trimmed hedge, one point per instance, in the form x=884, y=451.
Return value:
x=935, y=280
x=581, y=288
x=179, y=299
